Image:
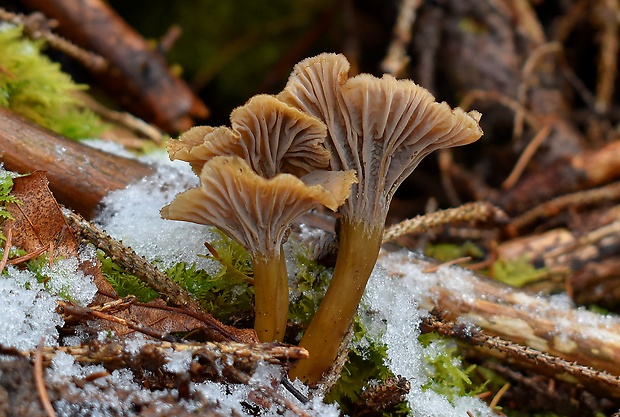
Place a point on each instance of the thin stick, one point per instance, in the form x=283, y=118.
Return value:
x=40, y=382
x=526, y=73
x=36, y=26
x=606, y=193
x=608, y=56
x=526, y=156
x=7, y=248
x=396, y=60
x=90, y=313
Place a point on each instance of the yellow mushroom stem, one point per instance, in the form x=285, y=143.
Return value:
x=357, y=255
x=271, y=297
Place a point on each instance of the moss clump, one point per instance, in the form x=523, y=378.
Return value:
x=227, y=294
x=518, y=272
x=445, y=370
x=36, y=88
x=123, y=282
x=309, y=286
x=365, y=363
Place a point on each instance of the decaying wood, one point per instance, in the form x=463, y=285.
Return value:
x=225, y=362
x=137, y=76
x=79, y=176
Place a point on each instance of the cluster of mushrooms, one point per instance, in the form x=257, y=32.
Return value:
x=325, y=140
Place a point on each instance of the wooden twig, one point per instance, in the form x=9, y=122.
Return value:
x=543, y=362
x=36, y=26
x=606, y=13
x=514, y=319
x=557, y=205
x=7, y=249
x=526, y=156
x=92, y=314
x=584, y=170
x=397, y=58
x=39, y=380
x=527, y=80
x=138, y=76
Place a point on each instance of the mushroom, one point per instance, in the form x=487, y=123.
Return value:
x=270, y=135
x=381, y=128
x=257, y=212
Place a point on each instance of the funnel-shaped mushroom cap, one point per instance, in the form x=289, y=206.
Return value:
x=380, y=127
x=270, y=135
x=251, y=209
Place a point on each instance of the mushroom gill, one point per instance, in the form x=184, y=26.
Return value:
x=257, y=212
x=270, y=135
x=381, y=128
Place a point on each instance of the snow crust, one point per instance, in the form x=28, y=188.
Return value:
x=132, y=216
x=29, y=307
x=394, y=310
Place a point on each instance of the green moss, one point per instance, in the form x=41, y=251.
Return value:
x=365, y=363
x=36, y=88
x=445, y=370
x=123, y=282
x=227, y=294
x=518, y=273
x=310, y=284
x=445, y=252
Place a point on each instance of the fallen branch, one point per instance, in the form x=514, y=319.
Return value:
x=79, y=176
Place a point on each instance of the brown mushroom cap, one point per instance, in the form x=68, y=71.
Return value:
x=251, y=209
x=270, y=135
x=380, y=127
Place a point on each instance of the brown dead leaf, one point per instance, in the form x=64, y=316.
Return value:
x=39, y=225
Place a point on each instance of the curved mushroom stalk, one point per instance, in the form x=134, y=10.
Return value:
x=381, y=128
x=257, y=212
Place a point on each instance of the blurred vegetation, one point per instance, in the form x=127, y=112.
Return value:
x=35, y=87
x=229, y=51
